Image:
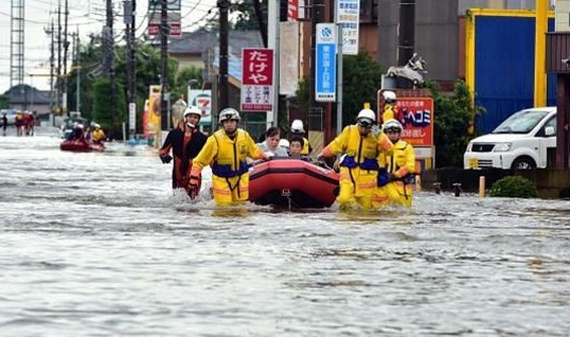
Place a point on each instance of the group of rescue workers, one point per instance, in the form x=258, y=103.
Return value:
x=84, y=134
x=377, y=167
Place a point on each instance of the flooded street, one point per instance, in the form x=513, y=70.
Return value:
x=96, y=244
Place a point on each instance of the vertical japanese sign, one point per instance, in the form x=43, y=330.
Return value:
x=348, y=14
x=325, y=65
x=257, y=79
x=292, y=10
x=416, y=115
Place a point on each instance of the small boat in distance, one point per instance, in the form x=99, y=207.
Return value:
x=293, y=183
x=81, y=145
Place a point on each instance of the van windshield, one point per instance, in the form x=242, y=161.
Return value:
x=521, y=122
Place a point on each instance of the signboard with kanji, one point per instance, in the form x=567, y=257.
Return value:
x=171, y=5
x=416, y=115
x=257, y=79
x=173, y=21
x=348, y=15
x=325, y=63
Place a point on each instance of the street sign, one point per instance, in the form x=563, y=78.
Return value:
x=348, y=14
x=171, y=5
x=173, y=20
x=132, y=116
x=325, y=65
x=257, y=79
x=202, y=99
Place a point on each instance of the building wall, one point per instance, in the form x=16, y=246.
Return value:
x=436, y=36
x=562, y=17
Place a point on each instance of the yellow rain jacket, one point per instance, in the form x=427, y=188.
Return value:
x=400, y=164
x=390, y=112
x=305, y=150
x=359, y=168
x=230, y=178
x=98, y=135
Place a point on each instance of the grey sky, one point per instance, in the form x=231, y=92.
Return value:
x=87, y=16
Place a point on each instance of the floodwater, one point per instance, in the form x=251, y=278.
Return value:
x=97, y=244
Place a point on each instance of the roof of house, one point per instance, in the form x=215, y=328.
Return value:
x=24, y=93
x=201, y=40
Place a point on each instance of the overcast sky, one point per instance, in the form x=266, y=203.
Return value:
x=87, y=16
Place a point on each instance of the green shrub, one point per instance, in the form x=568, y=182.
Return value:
x=513, y=187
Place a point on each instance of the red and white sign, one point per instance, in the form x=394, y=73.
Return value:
x=154, y=29
x=292, y=10
x=416, y=115
x=257, y=79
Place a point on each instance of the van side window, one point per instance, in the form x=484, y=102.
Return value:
x=551, y=122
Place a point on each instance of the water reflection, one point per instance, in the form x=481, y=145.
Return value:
x=99, y=245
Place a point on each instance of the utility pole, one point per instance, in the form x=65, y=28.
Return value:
x=78, y=73
x=110, y=68
x=164, y=95
x=50, y=31
x=406, y=35
x=317, y=16
x=58, y=90
x=129, y=19
x=65, y=47
x=224, y=6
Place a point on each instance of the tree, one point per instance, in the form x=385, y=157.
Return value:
x=452, y=118
x=183, y=77
x=111, y=121
x=361, y=81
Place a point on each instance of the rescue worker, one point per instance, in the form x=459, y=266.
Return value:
x=227, y=150
x=359, y=165
x=390, y=110
x=97, y=135
x=186, y=141
x=399, y=166
x=297, y=130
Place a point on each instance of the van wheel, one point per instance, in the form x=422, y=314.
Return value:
x=523, y=163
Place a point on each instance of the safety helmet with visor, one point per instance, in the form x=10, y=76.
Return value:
x=230, y=114
x=366, y=118
x=392, y=125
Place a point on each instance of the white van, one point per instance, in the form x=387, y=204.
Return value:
x=520, y=142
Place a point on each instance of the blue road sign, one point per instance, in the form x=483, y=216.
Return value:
x=325, y=63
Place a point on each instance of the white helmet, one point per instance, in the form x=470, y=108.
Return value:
x=392, y=124
x=229, y=114
x=297, y=126
x=389, y=96
x=96, y=126
x=366, y=115
x=284, y=143
x=192, y=110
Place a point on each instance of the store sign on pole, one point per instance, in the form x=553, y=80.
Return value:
x=257, y=79
x=202, y=99
x=173, y=20
x=325, y=65
x=348, y=14
x=292, y=10
x=171, y=5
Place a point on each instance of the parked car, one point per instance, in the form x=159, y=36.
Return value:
x=10, y=115
x=521, y=142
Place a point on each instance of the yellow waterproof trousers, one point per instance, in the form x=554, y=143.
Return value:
x=356, y=187
x=393, y=193
x=229, y=191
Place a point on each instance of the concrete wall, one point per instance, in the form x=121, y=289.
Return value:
x=436, y=35
x=562, y=19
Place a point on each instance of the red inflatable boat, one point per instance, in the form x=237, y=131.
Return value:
x=288, y=182
x=81, y=146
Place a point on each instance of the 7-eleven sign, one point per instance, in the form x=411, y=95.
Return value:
x=202, y=99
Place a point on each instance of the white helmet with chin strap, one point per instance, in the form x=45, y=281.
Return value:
x=297, y=126
x=229, y=114
x=392, y=125
x=366, y=116
x=192, y=110
x=389, y=96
